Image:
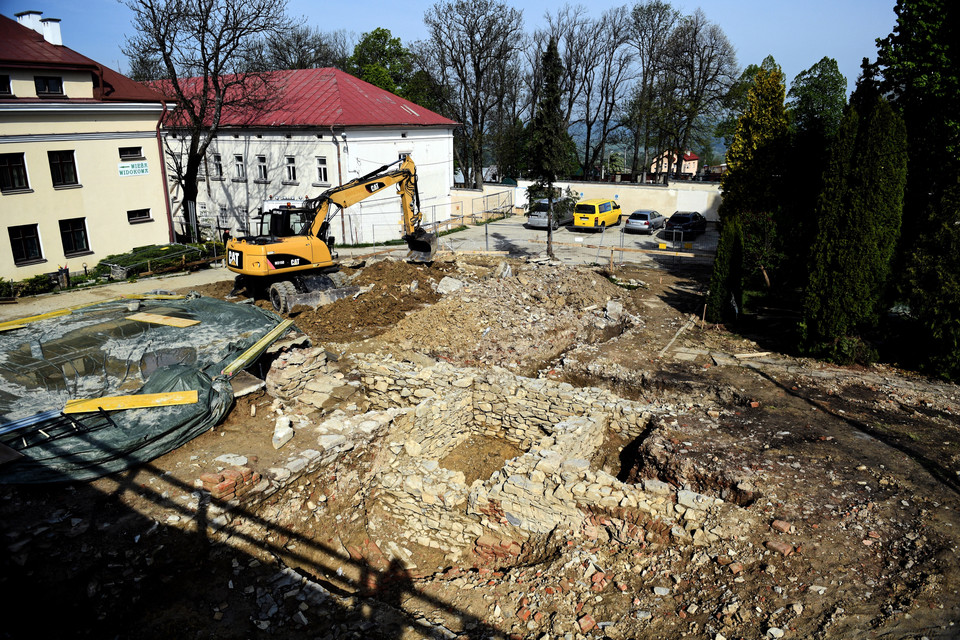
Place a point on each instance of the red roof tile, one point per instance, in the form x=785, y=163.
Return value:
x=23, y=47
x=323, y=98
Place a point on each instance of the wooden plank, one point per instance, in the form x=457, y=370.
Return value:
x=247, y=357
x=155, y=318
x=139, y=401
x=756, y=354
x=153, y=296
x=52, y=314
x=626, y=249
x=11, y=327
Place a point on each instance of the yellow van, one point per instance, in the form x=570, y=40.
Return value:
x=596, y=213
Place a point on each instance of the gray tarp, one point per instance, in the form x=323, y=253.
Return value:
x=98, y=351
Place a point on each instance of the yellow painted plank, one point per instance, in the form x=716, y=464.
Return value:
x=156, y=318
x=251, y=354
x=153, y=296
x=13, y=324
x=11, y=327
x=139, y=401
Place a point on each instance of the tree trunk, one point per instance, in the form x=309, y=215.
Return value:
x=550, y=220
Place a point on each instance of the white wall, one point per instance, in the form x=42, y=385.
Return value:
x=680, y=195
x=348, y=157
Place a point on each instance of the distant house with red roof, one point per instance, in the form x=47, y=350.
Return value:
x=81, y=172
x=322, y=128
x=667, y=161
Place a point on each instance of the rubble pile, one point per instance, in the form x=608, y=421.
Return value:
x=517, y=321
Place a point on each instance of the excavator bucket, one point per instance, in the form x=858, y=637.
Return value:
x=422, y=245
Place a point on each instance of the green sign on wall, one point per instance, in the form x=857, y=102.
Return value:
x=140, y=168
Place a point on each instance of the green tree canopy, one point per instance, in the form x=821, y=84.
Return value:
x=859, y=224
x=817, y=98
x=382, y=60
x=919, y=67
x=753, y=185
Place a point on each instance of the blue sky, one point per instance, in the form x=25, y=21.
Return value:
x=797, y=34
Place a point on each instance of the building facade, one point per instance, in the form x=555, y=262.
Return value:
x=324, y=129
x=81, y=175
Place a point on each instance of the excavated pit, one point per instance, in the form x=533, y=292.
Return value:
x=489, y=466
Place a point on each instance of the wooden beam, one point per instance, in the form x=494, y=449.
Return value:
x=155, y=318
x=138, y=401
x=247, y=357
x=658, y=252
x=51, y=314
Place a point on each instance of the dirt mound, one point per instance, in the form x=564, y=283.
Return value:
x=520, y=321
x=391, y=299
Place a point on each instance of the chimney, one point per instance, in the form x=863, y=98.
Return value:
x=30, y=19
x=51, y=30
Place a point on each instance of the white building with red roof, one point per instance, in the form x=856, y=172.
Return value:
x=324, y=128
x=81, y=174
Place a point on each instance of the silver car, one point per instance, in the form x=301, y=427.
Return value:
x=539, y=213
x=644, y=221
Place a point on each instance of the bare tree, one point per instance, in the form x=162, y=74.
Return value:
x=606, y=83
x=470, y=44
x=573, y=31
x=652, y=23
x=305, y=47
x=209, y=51
x=705, y=66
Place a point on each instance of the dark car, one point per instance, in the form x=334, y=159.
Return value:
x=685, y=224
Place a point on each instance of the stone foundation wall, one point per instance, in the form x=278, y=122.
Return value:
x=512, y=407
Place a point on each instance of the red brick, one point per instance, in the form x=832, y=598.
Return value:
x=524, y=614
x=232, y=474
x=597, y=577
x=780, y=547
x=781, y=525
x=224, y=487
x=586, y=623
x=211, y=478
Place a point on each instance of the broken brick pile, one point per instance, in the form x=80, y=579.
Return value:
x=230, y=483
x=496, y=551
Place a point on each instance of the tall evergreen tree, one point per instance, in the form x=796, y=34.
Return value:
x=859, y=224
x=725, y=299
x=548, y=135
x=752, y=187
x=815, y=106
x=919, y=66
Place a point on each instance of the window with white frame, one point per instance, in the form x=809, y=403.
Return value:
x=25, y=243
x=262, y=168
x=13, y=172
x=73, y=235
x=291, y=163
x=239, y=171
x=217, y=167
x=322, y=169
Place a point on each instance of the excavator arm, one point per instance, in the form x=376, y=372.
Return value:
x=285, y=250
x=422, y=245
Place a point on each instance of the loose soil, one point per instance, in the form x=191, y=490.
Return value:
x=863, y=464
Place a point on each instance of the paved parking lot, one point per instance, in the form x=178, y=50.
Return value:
x=577, y=246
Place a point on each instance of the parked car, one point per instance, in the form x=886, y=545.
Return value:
x=596, y=214
x=562, y=213
x=686, y=224
x=644, y=221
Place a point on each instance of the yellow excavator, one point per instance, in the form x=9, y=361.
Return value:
x=292, y=254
